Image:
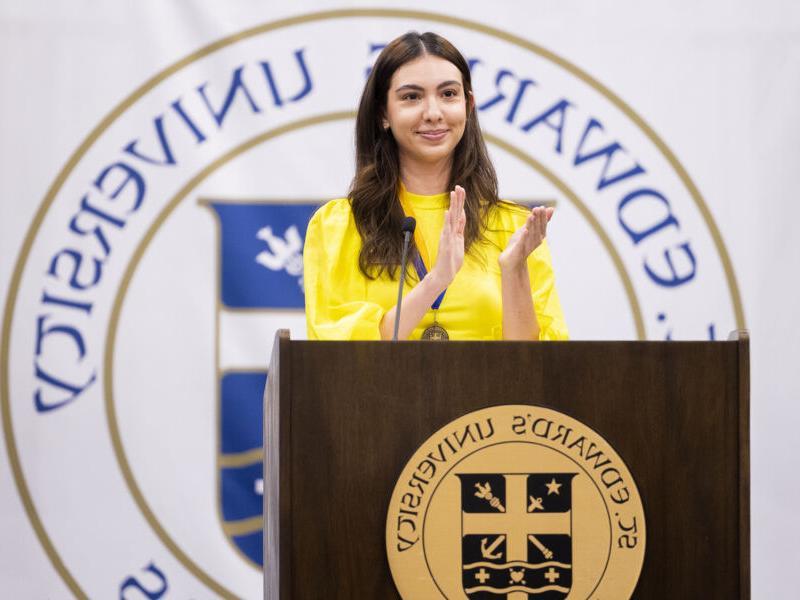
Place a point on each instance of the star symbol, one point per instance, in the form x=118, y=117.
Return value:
x=553, y=487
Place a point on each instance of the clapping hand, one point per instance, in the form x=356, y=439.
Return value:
x=526, y=239
x=451, y=243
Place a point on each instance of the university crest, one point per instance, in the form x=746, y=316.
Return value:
x=515, y=502
x=516, y=535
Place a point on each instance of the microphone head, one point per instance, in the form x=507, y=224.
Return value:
x=409, y=224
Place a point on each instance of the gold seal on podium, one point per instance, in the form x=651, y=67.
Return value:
x=515, y=501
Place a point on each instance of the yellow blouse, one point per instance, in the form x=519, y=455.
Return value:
x=343, y=304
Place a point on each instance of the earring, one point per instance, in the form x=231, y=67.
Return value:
x=386, y=124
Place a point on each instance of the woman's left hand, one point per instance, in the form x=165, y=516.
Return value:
x=526, y=239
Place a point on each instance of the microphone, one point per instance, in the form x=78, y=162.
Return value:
x=409, y=224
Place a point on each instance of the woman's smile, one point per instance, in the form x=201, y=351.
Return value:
x=433, y=135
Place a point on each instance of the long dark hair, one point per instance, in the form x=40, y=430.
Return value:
x=373, y=191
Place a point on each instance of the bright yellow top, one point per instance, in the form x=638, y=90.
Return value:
x=343, y=304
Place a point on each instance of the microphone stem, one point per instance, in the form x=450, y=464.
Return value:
x=406, y=240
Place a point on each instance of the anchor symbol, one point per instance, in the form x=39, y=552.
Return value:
x=487, y=551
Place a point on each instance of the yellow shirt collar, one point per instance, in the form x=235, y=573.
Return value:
x=418, y=201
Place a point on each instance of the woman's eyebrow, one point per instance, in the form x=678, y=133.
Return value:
x=414, y=86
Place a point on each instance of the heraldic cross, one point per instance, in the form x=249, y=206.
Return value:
x=507, y=524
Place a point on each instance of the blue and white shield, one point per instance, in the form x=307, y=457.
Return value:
x=261, y=271
x=516, y=535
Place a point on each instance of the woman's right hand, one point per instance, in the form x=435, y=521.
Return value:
x=451, y=243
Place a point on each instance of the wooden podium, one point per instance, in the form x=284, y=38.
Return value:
x=343, y=418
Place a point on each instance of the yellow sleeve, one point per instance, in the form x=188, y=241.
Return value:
x=547, y=306
x=336, y=290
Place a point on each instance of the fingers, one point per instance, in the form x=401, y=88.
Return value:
x=462, y=214
x=537, y=225
x=542, y=231
x=448, y=213
x=457, y=203
x=446, y=225
x=454, y=209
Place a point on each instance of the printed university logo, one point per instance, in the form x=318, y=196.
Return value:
x=515, y=502
x=515, y=534
x=167, y=252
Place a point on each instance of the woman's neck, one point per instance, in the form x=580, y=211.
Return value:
x=424, y=178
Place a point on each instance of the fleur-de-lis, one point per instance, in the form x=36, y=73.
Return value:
x=283, y=253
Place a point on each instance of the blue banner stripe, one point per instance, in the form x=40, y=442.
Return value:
x=252, y=545
x=242, y=411
x=240, y=498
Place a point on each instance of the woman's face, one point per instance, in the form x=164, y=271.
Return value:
x=426, y=109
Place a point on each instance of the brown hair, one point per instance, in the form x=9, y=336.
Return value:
x=373, y=191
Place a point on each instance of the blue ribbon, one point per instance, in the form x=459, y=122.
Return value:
x=421, y=272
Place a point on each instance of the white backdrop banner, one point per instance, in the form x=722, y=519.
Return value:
x=161, y=162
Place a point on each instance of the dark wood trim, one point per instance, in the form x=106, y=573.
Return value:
x=742, y=338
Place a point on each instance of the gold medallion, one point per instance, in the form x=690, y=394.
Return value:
x=515, y=501
x=435, y=332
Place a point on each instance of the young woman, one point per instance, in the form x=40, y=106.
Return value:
x=480, y=267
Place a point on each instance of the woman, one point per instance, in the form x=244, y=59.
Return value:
x=481, y=266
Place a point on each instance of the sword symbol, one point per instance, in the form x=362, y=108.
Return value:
x=487, y=551
x=535, y=503
x=548, y=554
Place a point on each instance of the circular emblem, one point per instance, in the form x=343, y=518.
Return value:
x=515, y=500
x=435, y=332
